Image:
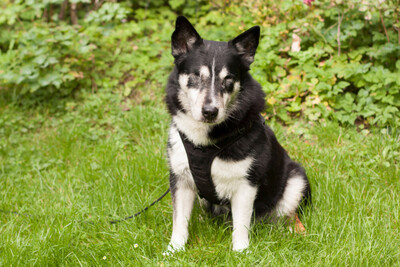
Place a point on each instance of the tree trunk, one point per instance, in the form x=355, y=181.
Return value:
x=64, y=7
x=74, y=16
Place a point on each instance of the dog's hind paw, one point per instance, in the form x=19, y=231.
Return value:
x=298, y=227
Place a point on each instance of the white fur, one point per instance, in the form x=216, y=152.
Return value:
x=196, y=131
x=236, y=87
x=183, y=205
x=291, y=198
x=223, y=73
x=242, y=208
x=214, y=100
x=184, y=194
x=198, y=98
x=178, y=160
x=192, y=99
x=204, y=72
x=183, y=81
x=228, y=176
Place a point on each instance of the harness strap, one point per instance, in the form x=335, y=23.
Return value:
x=200, y=159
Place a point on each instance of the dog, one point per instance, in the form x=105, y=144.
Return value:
x=219, y=146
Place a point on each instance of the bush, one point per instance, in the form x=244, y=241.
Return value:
x=336, y=60
x=348, y=68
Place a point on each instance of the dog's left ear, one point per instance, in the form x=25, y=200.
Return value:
x=184, y=38
x=246, y=44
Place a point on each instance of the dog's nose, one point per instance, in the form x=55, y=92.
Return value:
x=210, y=112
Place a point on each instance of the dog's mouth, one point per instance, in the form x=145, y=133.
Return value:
x=212, y=121
x=207, y=114
x=208, y=121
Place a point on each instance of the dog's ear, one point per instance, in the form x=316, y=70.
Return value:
x=246, y=44
x=184, y=38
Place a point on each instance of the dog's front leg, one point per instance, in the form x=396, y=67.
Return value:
x=242, y=208
x=183, y=198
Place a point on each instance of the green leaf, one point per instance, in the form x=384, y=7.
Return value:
x=280, y=71
x=40, y=59
x=342, y=84
x=176, y=3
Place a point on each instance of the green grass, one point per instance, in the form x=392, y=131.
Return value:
x=68, y=171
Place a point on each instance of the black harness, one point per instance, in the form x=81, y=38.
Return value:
x=201, y=157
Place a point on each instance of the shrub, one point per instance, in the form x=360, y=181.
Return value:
x=318, y=60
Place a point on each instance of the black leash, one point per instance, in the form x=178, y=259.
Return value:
x=143, y=210
x=111, y=222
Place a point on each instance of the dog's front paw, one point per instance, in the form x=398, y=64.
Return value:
x=240, y=248
x=172, y=248
x=240, y=240
x=241, y=245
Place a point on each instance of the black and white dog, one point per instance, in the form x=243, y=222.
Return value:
x=219, y=146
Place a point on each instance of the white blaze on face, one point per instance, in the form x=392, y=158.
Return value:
x=212, y=91
x=214, y=98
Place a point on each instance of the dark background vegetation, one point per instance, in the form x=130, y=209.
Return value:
x=347, y=70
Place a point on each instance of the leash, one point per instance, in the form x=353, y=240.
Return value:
x=111, y=222
x=143, y=210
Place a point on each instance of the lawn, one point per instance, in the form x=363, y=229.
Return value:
x=67, y=169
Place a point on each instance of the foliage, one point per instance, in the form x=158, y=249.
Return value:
x=353, y=80
x=48, y=58
x=336, y=60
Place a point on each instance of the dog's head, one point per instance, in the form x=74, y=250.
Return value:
x=209, y=72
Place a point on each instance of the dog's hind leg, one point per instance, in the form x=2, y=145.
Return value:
x=297, y=190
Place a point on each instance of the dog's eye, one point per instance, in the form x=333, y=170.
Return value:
x=193, y=81
x=228, y=82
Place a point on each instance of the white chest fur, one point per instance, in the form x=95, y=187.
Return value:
x=196, y=131
x=229, y=176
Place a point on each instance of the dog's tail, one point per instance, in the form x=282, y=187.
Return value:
x=306, y=200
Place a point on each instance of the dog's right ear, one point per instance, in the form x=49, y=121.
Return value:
x=184, y=38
